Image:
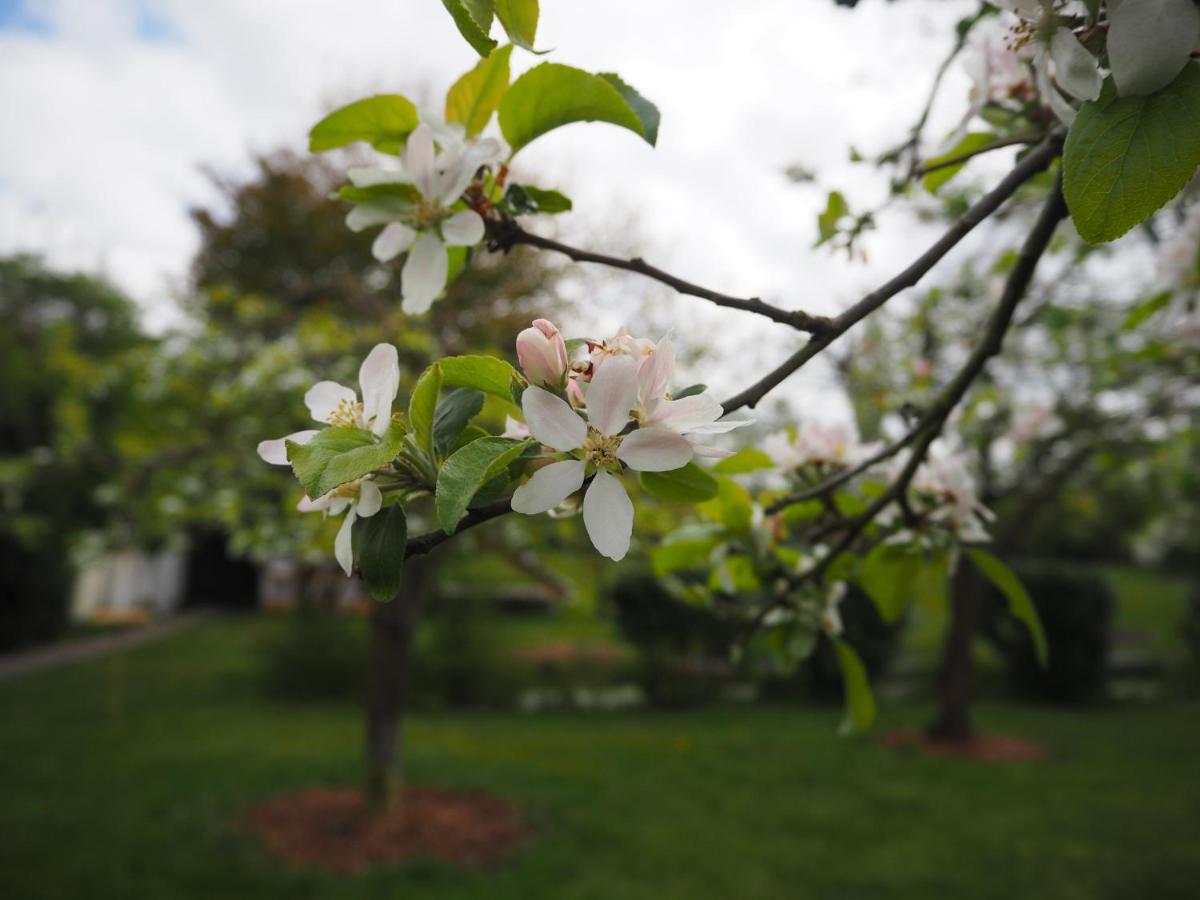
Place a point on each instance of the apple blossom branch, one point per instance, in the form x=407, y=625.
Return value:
x=1033, y=163
x=506, y=233
x=959, y=158
x=1038, y=239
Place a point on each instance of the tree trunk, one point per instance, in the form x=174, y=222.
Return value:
x=953, y=720
x=392, y=627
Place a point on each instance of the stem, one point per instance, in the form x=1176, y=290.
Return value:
x=960, y=158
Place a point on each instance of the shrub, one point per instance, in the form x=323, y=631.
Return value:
x=320, y=655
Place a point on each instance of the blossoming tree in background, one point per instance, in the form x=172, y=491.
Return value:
x=1103, y=98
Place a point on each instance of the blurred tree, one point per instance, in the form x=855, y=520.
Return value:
x=64, y=344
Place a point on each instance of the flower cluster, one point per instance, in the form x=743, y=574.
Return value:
x=946, y=494
x=437, y=165
x=607, y=412
x=817, y=444
x=339, y=407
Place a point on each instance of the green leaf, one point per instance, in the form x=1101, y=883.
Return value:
x=746, y=460
x=520, y=21
x=676, y=555
x=551, y=95
x=484, y=373
x=689, y=484
x=524, y=198
x=732, y=506
x=1020, y=604
x=469, y=469
x=422, y=405
x=1145, y=310
x=1127, y=156
x=860, y=702
x=383, y=121
x=894, y=576
x=646, y=111
x=972, y=141
x=474, y=97
x=689, y=391
x=454, y=411
x=337, y=456
x=398, y=198
x=835, y=210
x=379, y=542
x=474, y=21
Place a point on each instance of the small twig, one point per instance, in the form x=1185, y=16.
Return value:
x=506, y=233
x=422, y=544
x=960, y=158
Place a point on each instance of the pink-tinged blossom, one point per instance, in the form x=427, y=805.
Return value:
x=358, y=499
x=817, y=444
x=946, y=493
x=542, y=353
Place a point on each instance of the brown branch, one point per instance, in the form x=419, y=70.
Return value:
x=1033, y=163
x=422, y=544
x=507, y=233
x=960, y=158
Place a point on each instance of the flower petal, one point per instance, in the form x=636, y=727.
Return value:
x=379, y=377
x=369, y=176
x=463, y=229
x=366, y=215
x=275, y=452
x=548, y=487
x=424, y=274
x=419, y=160
x=1075, y=69
x=655, y=449
x=370, y=499
x=551, y=420
x=608, y=516
x=684, y=415
x=324, y=397
x=392, y=241
x=343, y=547
x=613, y=392
x=654, y=374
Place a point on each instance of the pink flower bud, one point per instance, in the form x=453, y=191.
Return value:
x=542, y=353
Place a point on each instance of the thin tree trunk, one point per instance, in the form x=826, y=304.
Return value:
x=953, y=720
x=392, y=628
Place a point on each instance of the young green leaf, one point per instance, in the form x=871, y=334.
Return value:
x=523, y=198
x=423, y=404
x=474, y=97
x=689, y=484
x=520, y=21
x=1145, y=310
x=895, y=576
x=732, y=506
x=394, y=196
x=474, y=21
x=676, y=555
x=748, y=459
x=379, y=542
x=646, y=111
x=484, y=373
x=827, y=221
x=337, y=456
x=454, y=411
x=1020, y=604
x=1127, y=156
x=469, y=469
x=975, y=140
x=551, y=95
x=383, y=121
x=860, y=702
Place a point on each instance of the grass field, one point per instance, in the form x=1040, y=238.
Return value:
x=123, y=778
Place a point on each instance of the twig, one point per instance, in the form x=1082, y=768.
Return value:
x=959, y=158
x=422, y=544
x=1033, y=163
x=507, y=233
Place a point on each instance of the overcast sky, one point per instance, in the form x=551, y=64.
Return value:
x=113, y=106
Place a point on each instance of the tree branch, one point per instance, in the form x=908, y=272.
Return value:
x=422, y=544
x=1033, y=163
x=960, y=158
x=507, y=233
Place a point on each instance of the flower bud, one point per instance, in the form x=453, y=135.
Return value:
x=542, y=353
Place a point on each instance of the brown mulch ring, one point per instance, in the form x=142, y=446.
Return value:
x=331, y=828
x=565, y=651
x=985, y=748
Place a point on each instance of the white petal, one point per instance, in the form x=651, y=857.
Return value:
x=306, y=505
x=275, y=452
x=418, y=160
x=460, y=163
x=392, y=241
x=365, y=215
x=721, y=426
x=369, y=176
x=711, y=452
x=463, y=229
x=1075, y=69
x=655, y=373
x=551, y=420
x=655, y=449
x=608, y=516
x=549, y=486
x=1063, y=110
x=686, y=414
x=424, y=274
x=379, y=377
x=612, y=393
x=370, y=499
x=324, y=397
x=343, y=548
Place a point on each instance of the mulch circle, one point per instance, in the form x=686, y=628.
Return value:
x=331, y=828
x=985, y=748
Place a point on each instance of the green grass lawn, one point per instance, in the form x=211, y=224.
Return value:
x=123, y=777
